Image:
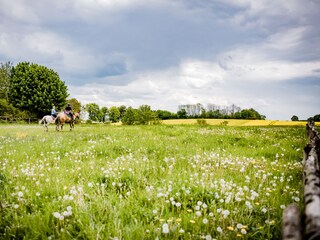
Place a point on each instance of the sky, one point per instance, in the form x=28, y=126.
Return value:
x=261, y=54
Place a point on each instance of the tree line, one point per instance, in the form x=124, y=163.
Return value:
x=31, y=90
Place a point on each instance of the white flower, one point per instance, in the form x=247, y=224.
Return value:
x=297, y=199
x=16, y=206
x=90, y=184
x=181, y=231
x=165, y=228
x=178, y=204
x=198, y=213
x=225, y=213
x=205, y=221
x=199, y=203
x=243, y=231
x=56, y=215
x=264, y=210
x=239, y=225
x=208, y=237
x=20, y=194
x=219, y=229
x=37, y=194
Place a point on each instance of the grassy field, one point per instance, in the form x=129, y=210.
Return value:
x=148, y=182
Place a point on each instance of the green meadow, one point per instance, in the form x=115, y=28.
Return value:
x=148, y=182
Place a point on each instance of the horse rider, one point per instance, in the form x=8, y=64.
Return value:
x=68, y=110
x=53, y=112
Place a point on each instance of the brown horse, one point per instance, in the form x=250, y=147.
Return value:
x=63, y=118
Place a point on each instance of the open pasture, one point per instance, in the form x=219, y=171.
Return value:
x=148, y=182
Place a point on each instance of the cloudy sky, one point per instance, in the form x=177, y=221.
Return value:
x=263, y=54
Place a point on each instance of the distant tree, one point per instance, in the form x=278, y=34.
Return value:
x=5, y=75
x=93, y=111
x=215, y=114
x=294, y=118
x=122, y=110
x=316, y=118
x=35, y=88
x=75, y=104
x=146, y=115
x=182, y=114
x=114, y=114
x=164, y=114
x=104, y=112
x=251, y=114
x=130, y=117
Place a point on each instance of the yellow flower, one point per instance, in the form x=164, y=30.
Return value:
x=178, y=220
x=230, y=228
x=161, y=220
x=192, y=221
x=189, y=210
x=257, y=203
x=239, y=235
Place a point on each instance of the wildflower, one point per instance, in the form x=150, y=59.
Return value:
x=264, y=210
x=225, y=213
x=198, y=213
x=297, y=199
x=230, y=228
x=20, y=194
x=219, y=229
x=192, y=221
x=165, y=228
x=239, y=235
x=239, y=225
x=208, y=237
x=181, y=231
x=37, y=194
x=243, y=231
x=205, y=221
x=178, y=204
x=58, y=215
x=16, y=206
x=90, y=184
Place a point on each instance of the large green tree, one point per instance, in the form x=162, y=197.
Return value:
x=130, y=117
x=93, y=111
x=114, y=114
x=36, y=88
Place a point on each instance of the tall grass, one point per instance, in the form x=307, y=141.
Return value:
x=148, y=182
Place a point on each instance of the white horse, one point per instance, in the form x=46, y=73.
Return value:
x=46, y=120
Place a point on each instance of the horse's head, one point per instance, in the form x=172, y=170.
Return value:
x=76, y=115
